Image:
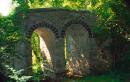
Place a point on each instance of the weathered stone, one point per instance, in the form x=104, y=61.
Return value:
x=56, y=25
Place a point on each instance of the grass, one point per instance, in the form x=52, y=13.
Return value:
x=110, y=77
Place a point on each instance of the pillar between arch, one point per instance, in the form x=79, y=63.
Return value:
x=59, y=56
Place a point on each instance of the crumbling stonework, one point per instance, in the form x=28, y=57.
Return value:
x=80, y=57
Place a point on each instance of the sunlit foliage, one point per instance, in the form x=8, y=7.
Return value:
x=36, y=55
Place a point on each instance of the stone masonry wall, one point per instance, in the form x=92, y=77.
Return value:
x=59, y=21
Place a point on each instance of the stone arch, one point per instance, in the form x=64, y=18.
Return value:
x=28, y=34
x=80, y=22
x=43, y=25
x=77, y=47
x=47, y=47
x=47, y=18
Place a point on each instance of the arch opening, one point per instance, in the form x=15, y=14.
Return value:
x=76, y=50
x=42, y=43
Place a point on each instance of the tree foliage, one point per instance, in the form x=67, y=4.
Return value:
x=37, y=59
x=111, y=14
x=9, y=35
